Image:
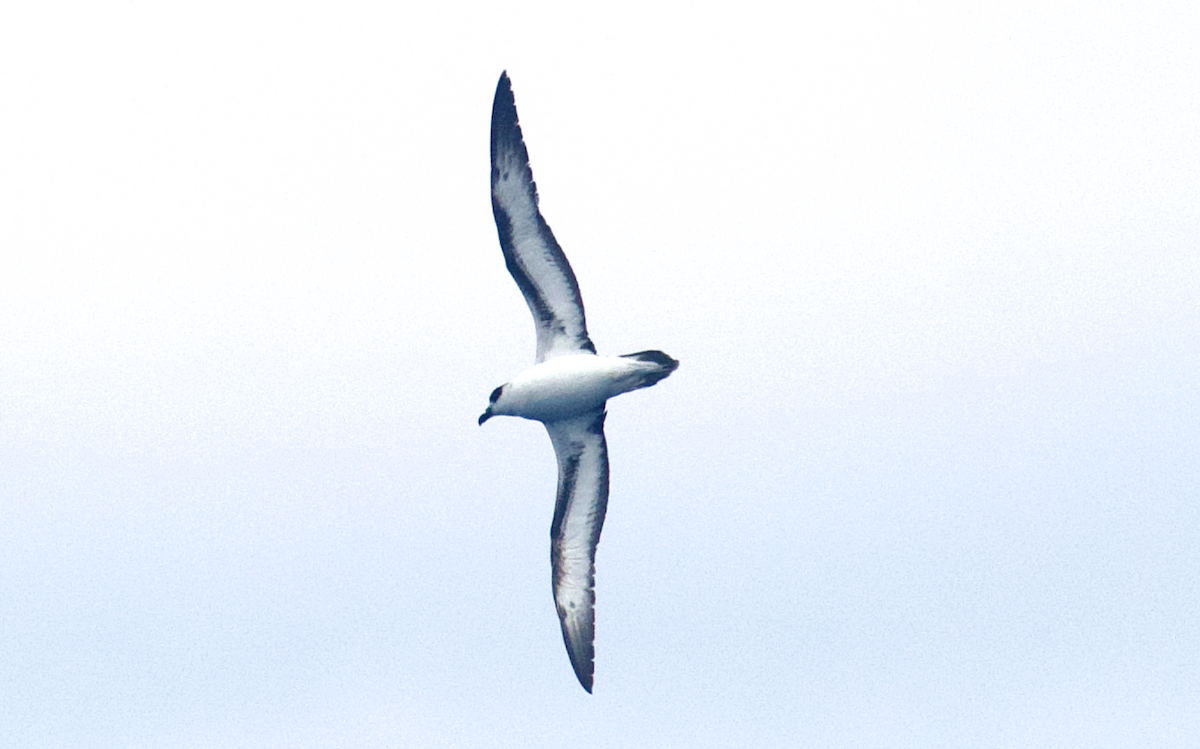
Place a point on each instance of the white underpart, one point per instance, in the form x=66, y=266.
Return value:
x=567, y=386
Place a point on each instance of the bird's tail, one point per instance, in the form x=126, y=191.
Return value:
x=659, y=366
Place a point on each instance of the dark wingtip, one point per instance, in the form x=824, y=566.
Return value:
x=504, y=114
x=503, y=88
x=583, y=672
x=583, y=657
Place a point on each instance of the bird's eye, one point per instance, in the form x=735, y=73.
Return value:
x=495, y=396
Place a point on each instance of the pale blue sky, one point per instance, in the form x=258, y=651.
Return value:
x=928, y=475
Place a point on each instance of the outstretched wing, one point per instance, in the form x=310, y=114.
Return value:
x=533, y=257
x=578, y=517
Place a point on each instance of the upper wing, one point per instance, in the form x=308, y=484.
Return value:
x=578, y=517
x=533, y=257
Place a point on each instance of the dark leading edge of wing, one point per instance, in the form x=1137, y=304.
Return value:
x=531, y=253
x=578, y=518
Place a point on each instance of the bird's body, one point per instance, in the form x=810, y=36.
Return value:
x=568, y=386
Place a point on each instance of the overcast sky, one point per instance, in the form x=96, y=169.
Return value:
x=928, y=474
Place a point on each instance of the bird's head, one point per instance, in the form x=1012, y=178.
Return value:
x=490, y=411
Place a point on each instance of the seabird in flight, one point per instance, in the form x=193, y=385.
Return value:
x=567, y=387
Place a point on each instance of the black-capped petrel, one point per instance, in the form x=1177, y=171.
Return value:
x=567, y=387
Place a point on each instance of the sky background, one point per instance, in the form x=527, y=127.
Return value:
x=928, y=475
